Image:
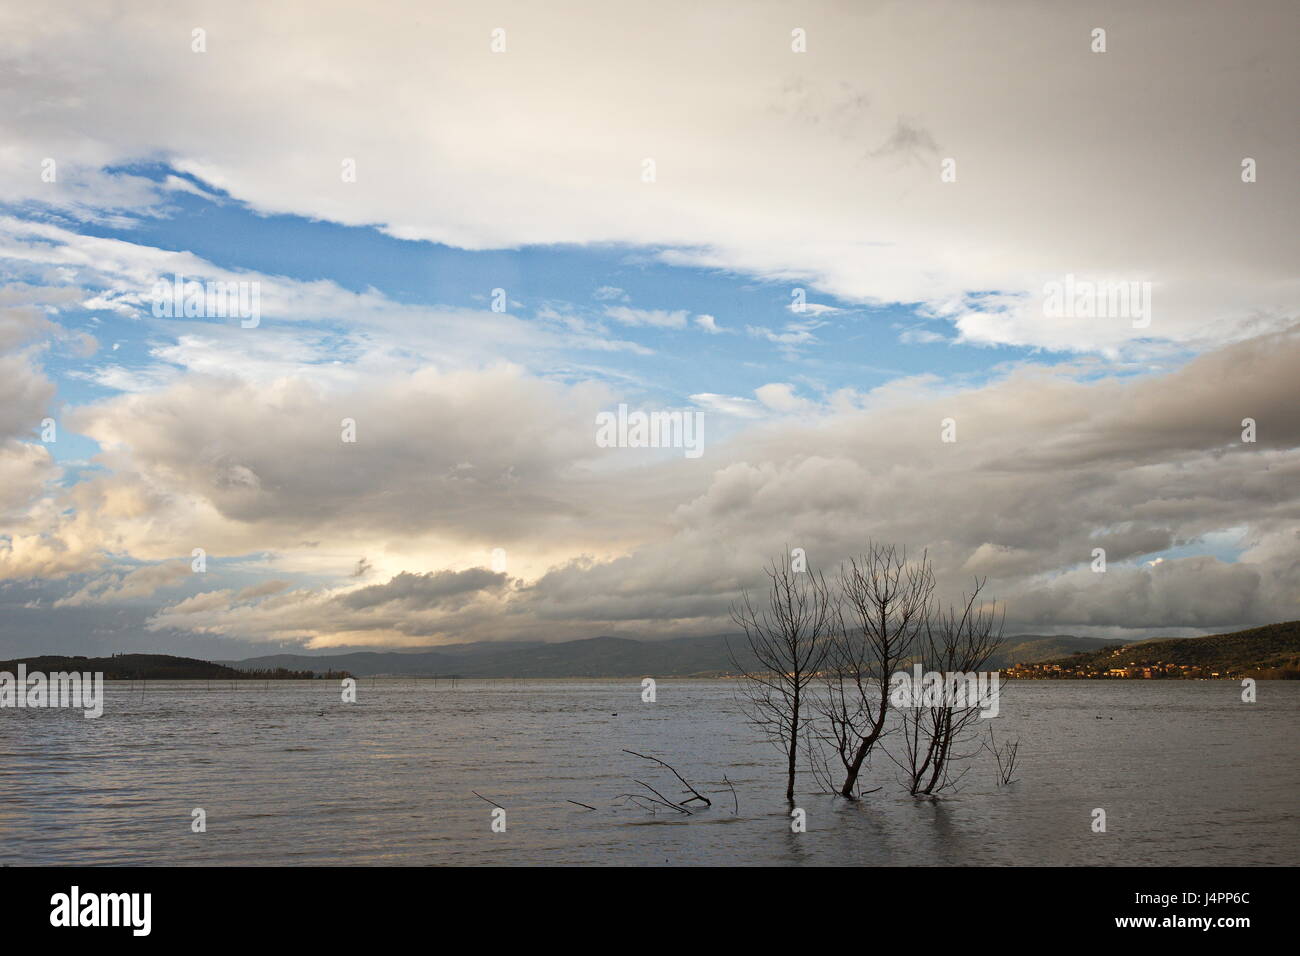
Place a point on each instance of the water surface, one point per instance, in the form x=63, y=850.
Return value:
x=289, y=774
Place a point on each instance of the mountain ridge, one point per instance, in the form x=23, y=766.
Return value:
x=604, y=656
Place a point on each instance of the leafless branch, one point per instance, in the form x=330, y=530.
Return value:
x=788, y=639
x=696, y=794
x=1005, y=756
x=885, y=603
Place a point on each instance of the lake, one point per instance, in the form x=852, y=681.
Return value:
x=288, y=773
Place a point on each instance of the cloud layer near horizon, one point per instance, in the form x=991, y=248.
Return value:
x=1047, y=466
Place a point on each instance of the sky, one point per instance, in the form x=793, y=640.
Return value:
x=853, y=241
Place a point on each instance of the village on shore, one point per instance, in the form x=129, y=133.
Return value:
x=1147, y=670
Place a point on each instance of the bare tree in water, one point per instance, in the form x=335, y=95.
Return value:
x=884, y=607
x=957, y=641
x=788, y=638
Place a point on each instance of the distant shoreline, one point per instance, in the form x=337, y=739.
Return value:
x=1271, y=652
x=132, y=667
x=617, y=678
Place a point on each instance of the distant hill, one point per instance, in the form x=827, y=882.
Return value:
x=596, y=657
x=151, y=667
x=591, y=657
x=1031, y=648
x=1272, y=651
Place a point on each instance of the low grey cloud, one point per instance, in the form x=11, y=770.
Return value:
x=1048, y=465
x=424, y=591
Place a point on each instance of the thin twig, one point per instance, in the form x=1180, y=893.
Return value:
x=735, y=799
x=697, y=794
x=665, y=800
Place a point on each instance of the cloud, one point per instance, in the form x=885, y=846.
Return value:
x=26, y=471
x=1048, y=465
x=780, y=397
x=27, y=403
x=559, y=162
x=811, y=308
x=123, y=276
x=138, y=583
x=25, y=397
x=259, y=455
x=920, y=337
x=263, y=589
x=424, y=591
x=657, y=318
x=729, y=404
x=25, y=312
x=410, y=609
x=795, y=334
